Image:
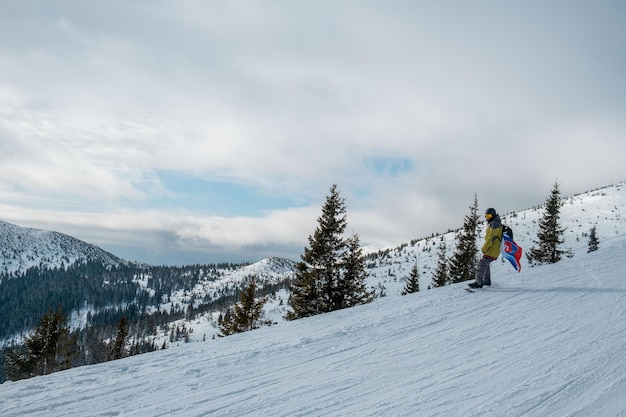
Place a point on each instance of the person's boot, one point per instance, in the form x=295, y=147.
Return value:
x=474, y=285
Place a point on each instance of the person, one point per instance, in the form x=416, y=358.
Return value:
x=490, y=249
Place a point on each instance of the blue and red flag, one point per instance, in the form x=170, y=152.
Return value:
x=511, y=251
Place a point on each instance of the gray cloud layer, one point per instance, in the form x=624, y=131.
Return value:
x=411, y=107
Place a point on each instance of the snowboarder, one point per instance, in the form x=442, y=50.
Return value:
x=490, y=249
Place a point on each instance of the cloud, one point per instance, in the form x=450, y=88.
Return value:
x=222, y=125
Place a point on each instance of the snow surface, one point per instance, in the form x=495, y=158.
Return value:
x=22, y=248
x=549, y=341
x=603, y=208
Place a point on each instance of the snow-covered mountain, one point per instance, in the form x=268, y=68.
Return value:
x=22, y=248
x=388, y=267
x=604, y=208
x=548, y=341
x=82, y=281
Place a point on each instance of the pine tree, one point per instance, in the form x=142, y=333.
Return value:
x=305, y=298
x=246, y=314
x=463, y=262
x=413, y=282
x=17, y=365
x=121, y=338
x=440, y=276
x=550, y=234
x=593, y=240
x=331, y=274
x=352, y=284
x=49, y=349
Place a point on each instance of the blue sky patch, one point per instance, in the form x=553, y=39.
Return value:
x=389, y=165
x=221, y=198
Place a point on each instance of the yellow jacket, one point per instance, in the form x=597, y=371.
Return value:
x=493, y=238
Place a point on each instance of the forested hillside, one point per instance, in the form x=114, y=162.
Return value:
x=545, y=342
x=97, y=293
x=96, y=296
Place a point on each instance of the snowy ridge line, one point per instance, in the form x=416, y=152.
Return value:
x=22, y=248
x=388, y=269
x=554, y=348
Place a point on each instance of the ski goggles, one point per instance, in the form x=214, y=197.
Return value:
x=489, y=216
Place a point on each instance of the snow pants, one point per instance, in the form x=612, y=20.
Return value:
x=483, y=272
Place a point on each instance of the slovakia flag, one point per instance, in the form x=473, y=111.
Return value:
x=511, y=251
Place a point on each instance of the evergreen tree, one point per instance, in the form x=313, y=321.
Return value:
x=440, y=276
x=331, y=273
x=593, y=240
x=352, y=284
x=413, y=282
x=463, y=262
x=17, y=365
x=246, y=314
x=550, y=234
x=49, y=349
x=121, y=338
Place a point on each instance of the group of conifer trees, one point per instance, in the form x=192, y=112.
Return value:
x=246, y=314
x=330, y=276
x=547, y=247
x=53, y=347
x=462, y=265
x=49, y=349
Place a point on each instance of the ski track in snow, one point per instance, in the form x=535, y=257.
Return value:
x=547, y=342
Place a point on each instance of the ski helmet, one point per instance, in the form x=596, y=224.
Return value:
x=490, y=213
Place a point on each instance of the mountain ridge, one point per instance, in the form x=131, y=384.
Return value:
x=545, y=342
x=388, y=267
x=24, y=247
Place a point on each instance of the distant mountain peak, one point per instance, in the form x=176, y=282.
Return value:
x=22, y=248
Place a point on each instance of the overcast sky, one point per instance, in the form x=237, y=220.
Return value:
x=189, y=131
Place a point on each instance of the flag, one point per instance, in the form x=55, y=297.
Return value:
x=511, y=251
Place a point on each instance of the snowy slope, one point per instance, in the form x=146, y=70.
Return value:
x=549, y=341
x=604, y=208
x=269, y=271
x=22, y=248
x=389, y=267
